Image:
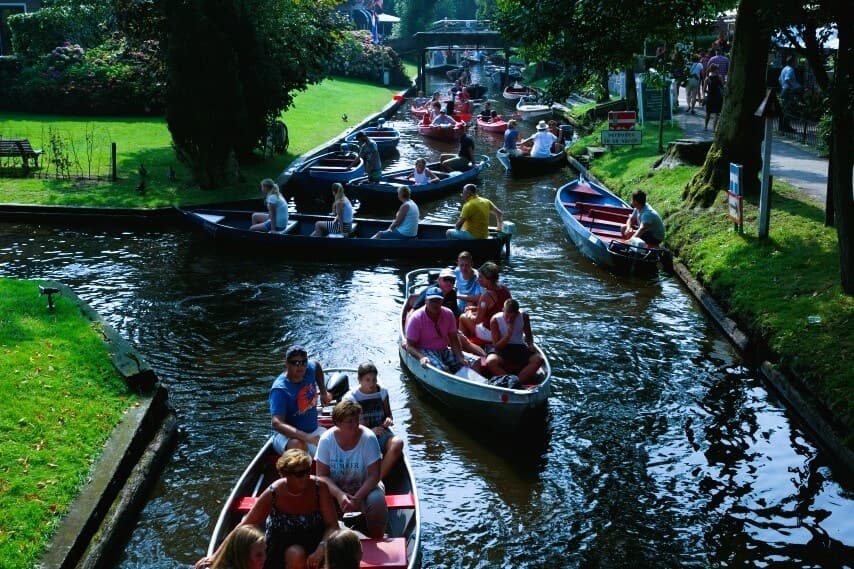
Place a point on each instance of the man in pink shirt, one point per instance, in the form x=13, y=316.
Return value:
x=430, y=331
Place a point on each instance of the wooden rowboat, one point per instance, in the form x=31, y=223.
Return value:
x=400, y=550
x=385, y=191
x=386, y=137
x=322, y=171
x=525, y=165
x=593, y=217
x=467, y=393
x=497, y=124
x=230, y=229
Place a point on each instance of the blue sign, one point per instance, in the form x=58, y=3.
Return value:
x=735, y=178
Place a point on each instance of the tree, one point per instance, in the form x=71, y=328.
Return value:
x=233, y=65
x=739, y=134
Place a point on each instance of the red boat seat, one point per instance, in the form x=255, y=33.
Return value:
x=604, y=233
x=585, y=219
x=392, y=501
x=388, y=553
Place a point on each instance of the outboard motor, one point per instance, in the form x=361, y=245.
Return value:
x=567, y=130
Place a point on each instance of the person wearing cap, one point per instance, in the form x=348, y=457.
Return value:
x=431, y=335
x=442, y=119
x=293, y=403
x=513, y=342
x=405, y=222
x=445, y=282
x=474, y=216
x=370, y=153
x=540, y=143
x=464, y=159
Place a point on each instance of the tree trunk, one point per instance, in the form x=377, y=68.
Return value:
x=738, y=137
x=842, y=149
x=631, y=90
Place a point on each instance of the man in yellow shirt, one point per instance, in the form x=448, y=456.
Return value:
x=474, y=217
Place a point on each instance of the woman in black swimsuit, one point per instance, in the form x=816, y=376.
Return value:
x=298, y=514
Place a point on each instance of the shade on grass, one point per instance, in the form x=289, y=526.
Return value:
x=769, y=286
x=62, y=398
x=314, y=118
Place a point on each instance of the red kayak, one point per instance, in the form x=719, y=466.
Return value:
x=496, y=124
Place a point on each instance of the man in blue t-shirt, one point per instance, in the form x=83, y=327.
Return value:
x=293, y=403
x=651, y=228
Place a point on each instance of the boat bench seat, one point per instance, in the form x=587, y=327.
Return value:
x=388, y=553
x=607, y=233
x=354, y=230
x=392, y=502
x=597, y=206
x=289, y=227
x=585, y=220
x=329, y=168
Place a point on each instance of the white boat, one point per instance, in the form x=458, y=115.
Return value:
x=468, y=394
x=530, y=108
x=401, y=548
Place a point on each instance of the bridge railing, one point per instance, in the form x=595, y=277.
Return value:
x=459, y=25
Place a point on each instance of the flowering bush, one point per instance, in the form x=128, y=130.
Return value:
x=113, y=78
x=360, y=58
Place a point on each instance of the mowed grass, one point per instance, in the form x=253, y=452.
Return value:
x=315, y=117
x=770, y=286
x=62, y=398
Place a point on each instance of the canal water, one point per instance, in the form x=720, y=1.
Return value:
x=660, y=449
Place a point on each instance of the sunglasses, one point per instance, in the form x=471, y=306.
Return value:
x=298, y=363
x=300, y=473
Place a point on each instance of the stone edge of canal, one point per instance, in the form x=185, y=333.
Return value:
x=101, y=517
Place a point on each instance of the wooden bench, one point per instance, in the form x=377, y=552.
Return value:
x=20, y=148
x=392, y=502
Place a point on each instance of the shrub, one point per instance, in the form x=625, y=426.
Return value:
x=37, y=33
x=360, y=58
x=113, y=78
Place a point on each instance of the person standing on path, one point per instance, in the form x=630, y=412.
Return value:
x=695, y=76
x=789, y=91
x=714, y=90
x=722, y=62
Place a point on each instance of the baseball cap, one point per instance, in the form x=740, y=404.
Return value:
x=434, y=293
x=446, y=272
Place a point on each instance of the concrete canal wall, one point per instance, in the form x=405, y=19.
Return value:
x=100, y=519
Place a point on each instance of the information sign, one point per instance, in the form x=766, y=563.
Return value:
x=735, y=208
x=734, y=195
x=621, y=137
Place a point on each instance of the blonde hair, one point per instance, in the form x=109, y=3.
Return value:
x=343, y=550
x=293, y=459
x=404, y=192
x=420, y=161
x=236, y=547
x=273, y=186
x=338, y=190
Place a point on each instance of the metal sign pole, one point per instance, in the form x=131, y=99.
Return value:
x=764, y=194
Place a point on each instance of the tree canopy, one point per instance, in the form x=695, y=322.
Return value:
x=233, y=66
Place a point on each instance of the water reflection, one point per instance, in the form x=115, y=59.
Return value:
x=659, y=448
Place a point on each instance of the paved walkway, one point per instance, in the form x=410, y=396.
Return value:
x=790, y=162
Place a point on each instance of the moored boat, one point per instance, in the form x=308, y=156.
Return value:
x=497, y=124
x=386, y=137
x=322, y=171
x=476, y=91
x=468, y=394
x=230, y=228
x=517, y=90
x=593, y=217
x=402, y=546
x=529, y=107
x=523, y=165
x=385, y=191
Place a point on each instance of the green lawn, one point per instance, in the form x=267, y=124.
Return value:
x=62, y=397
x=147, y=141
x=770, y=286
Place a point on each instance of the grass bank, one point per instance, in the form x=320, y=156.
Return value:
x=771, y=287
x=62, y=398
x=147, y=141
